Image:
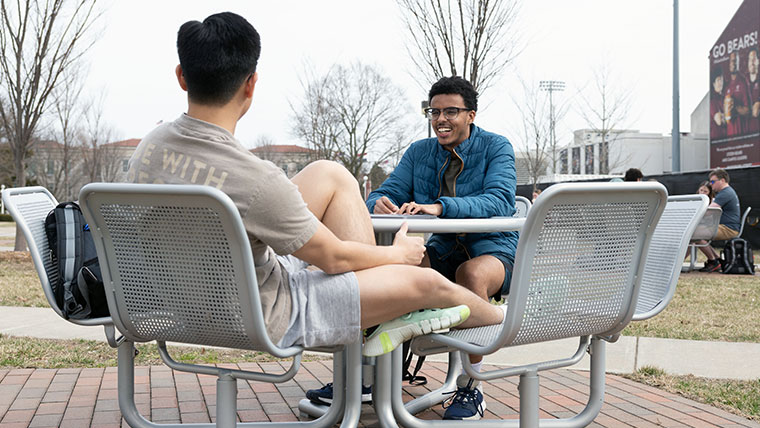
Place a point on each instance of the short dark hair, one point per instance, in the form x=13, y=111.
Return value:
x=633, y=174
x=719, y=173
x=217, y=56
x=455, y=85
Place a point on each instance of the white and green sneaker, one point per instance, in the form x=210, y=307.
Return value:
x=389, y=335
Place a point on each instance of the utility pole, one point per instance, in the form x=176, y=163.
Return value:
x=676, y=132
x=552, y=86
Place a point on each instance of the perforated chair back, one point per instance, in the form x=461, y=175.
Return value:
x=665, y=256
x=708, y=224
x=29, y=206
x=177, y=265
x=578, y=265
x=522, y=206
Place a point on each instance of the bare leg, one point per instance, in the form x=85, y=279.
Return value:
x=333, y=195
x=484, y=276
x=380, y=289
x=386, y=292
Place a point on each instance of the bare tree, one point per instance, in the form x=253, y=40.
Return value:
x=100, y=160
x=474, y=39
x=535, y=132
x=39, y=41
x=350, y=115
x=68, y=116
x=606, y=107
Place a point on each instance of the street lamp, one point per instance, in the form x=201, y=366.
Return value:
x=552, y=86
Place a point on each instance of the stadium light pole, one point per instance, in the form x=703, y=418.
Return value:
x=552, y=86
x=676, y=132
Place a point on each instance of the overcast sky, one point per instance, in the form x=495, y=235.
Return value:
x=133, y=61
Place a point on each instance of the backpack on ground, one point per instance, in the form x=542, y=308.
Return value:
x=737, y=257
x=78, y=287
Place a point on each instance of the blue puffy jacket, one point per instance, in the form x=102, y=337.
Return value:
x=484, y=188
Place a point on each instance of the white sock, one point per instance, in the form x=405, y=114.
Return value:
x=476, y=366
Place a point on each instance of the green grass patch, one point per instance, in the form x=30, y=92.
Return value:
x=27, y=352
x=708, y=307
x=19, y=284
x=741, y=397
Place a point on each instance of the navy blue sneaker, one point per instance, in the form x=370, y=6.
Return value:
x=324, y=395
x=467, y=404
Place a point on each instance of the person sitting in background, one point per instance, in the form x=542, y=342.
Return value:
x=706, y=189
x=535, y=195
x=633, y=174
x=730, y=219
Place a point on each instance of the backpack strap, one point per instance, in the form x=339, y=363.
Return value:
x=412, y=377
x=69, y=255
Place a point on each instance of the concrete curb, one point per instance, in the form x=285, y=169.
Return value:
x=720, y=360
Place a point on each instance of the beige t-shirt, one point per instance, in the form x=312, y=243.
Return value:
x=191, y=151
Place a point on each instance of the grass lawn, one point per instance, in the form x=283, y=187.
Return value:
x=26, y=352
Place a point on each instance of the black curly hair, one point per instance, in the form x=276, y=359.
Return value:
x=455, y=85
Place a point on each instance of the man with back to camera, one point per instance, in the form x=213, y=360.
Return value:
x=463, y=172
x=730, y=220
x=318, y=218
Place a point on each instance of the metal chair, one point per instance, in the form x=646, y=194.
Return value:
x=665, y=256
x=744, y=221
x=705, y=231
x=578, y=271
x=29, y=206
x=177, y=266
x=522, y=206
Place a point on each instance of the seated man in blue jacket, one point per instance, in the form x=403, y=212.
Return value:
x=464, y=172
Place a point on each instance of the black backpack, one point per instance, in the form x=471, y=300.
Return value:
x=78, y=287
x=737, y=257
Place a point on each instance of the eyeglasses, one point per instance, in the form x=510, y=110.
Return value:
x=713, y=181
x=449, y=112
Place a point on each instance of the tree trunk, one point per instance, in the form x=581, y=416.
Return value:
x=20, y=244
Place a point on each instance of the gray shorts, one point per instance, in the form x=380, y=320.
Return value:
x=326, y=308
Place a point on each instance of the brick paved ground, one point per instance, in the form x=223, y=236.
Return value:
x=73, y=398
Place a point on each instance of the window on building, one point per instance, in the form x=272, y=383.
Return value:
x=125, y=165
x=50, y=167
x=576, y=160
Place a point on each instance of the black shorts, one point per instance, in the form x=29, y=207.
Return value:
x=448, y=267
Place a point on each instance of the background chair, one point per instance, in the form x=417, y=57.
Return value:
x=705, y=231
x=578, y=271
x=665, y=256
x=29, y=206
x=178, y=267
x=522, y=206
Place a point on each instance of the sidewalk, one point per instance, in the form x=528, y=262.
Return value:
x=72, y=398
x=718, y=360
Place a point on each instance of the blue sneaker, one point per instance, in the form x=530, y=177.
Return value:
x=467, y=404
x=324, y=395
